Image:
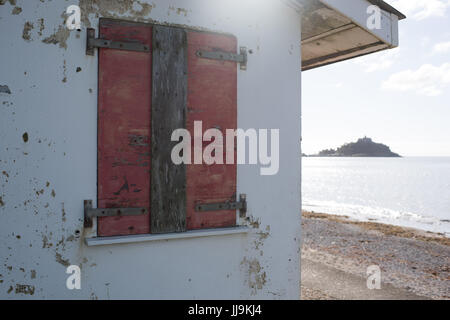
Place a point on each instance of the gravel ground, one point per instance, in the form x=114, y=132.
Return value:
x=415, y=261
x=313, y=294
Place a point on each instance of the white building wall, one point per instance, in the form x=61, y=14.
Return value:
x=44, y=181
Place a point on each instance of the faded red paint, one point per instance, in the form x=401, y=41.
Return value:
x=124, y=110
x=212, y=99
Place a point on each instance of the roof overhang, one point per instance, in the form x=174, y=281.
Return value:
x=337, y=30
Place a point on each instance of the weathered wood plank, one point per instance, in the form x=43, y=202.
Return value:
x=169, y=103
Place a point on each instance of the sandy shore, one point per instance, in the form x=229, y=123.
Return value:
x=336, y=252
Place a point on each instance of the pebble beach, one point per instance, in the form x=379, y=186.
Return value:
x=336, y=252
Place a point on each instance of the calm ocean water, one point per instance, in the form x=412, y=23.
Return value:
x=411, y=192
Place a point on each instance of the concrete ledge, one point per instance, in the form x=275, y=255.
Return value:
x=102, y=241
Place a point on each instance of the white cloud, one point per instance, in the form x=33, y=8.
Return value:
x=428, y=80
x=442, y=47
x=378, y=61
x=421, y=9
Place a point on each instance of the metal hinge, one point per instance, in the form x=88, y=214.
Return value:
x=92, y=43
x=226, y=56
x=90, y=213
x=241, y=205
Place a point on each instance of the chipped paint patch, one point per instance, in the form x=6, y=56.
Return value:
x=59, y=37
x=25, y=289
x=64, y=80
x=11, y=2
x=114, y=9
x=63, y=213
x=179, y=11
x=255, y=276
x=2, y=203
x=59, y=259
x=5, y=89
x=41, y=26
x=16, y=10
x=45, y=243
x=26, y=34
x=262, y=236
x=252, y=222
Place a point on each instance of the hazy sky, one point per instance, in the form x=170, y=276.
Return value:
x=400, y=97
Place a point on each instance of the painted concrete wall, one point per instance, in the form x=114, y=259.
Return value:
x=48, y=136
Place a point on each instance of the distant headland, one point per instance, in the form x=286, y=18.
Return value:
x=364, y=147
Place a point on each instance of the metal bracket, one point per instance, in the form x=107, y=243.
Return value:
x=92, y=43
x=90, y=213
x=226, y=56
x=241, y=206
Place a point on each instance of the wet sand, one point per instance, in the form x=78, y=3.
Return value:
x=336, y=252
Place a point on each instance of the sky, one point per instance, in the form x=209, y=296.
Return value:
x=399, y=97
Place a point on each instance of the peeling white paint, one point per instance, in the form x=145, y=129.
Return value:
x=49, y=176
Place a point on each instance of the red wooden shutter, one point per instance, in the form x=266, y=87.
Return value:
x=124, y=107
x=137, y=117
x=212, y=99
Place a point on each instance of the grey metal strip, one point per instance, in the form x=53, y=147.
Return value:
x=218, y=206
x=93, y=43
x=90, y=213
x=226, y=56
x=241, y=205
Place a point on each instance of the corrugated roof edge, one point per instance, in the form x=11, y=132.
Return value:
x=387, y=7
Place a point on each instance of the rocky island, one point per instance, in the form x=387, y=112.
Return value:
x=364, y=147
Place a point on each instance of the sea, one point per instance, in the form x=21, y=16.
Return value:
x=410, y=191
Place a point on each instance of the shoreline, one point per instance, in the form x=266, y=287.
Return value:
x=385, y=228
x=336, y=252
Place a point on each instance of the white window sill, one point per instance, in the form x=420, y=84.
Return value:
x=101, y=241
